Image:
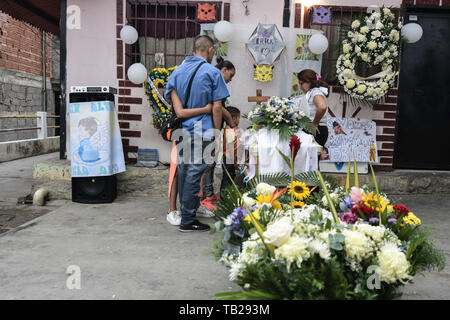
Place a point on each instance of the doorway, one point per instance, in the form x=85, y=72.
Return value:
x=423, y=114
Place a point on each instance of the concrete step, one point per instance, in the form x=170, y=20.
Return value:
x=54, y=174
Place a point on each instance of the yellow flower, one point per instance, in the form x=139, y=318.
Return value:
x=299, y=189
x=255, y=215
x=371, y=201
x=298, y=204
x=412, y=219
x=266, y=199
x=163, y=110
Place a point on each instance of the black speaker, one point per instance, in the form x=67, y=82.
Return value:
x=101, y=189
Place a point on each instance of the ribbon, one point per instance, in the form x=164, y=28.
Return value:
x=160, y=97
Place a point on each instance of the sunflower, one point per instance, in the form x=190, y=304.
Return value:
x=412, y=219
x=267, y=199
x=298, y=204
x=371, y=201
x=300, y=190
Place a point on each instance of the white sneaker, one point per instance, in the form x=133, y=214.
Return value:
x=204, y=212
x=174, y=217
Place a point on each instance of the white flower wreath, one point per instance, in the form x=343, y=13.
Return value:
x=374, y=40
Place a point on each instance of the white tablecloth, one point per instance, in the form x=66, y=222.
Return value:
x=270, y=160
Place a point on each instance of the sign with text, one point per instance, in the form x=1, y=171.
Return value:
x=95, y=140
x=351, y=138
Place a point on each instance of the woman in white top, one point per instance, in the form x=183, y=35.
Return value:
x=314, y=102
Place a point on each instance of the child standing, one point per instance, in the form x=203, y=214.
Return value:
x=230, y=144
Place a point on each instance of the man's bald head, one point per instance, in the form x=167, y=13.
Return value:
x=203, y=43
x=204, y=47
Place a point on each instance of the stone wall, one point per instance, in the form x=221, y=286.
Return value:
x=21, y=94
x=21, y=71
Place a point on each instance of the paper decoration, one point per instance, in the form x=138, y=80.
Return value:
x=262, y=73
x=207, y=29
x=95, y=141
x=351, y=138
x=265, y=44
x=206, y=11
x=321, y=15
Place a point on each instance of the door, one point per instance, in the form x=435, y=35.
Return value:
x=423, y=116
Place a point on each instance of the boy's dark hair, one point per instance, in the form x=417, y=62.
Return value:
x=233, y=111
x=335, y=124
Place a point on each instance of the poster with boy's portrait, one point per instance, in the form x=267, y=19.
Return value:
x=351, y=139
x=95, y=139
x=302, y=51
x=207, y=29
x=295, y=86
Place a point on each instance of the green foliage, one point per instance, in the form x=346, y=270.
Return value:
x=422, y=253
x=315, y=280
x=230, y=200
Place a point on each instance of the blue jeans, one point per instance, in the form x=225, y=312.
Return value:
x=189, y=176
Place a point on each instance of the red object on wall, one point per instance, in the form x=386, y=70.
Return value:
x=206, y=12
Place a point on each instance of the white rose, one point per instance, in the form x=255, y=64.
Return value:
x=346, y=48
x=364, y=29
x=264, y=188
x=379, y=25
x=247, y=200
x=278, y=232
x=357, y=49
x=356, y=24
x=376, y=34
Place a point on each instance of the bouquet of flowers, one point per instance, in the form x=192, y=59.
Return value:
x=291, y=243
x=280, y=114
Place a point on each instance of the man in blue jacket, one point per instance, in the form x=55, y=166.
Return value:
x=199, y=132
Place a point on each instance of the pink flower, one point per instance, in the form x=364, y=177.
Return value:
x=349, y=218
x=356, y=195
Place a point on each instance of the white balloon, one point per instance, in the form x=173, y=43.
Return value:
x=223, y=30
x=318, y=43
x=137, y=73
x=412, y=32
x=128, y=34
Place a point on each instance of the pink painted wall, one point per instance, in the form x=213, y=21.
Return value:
x=91, y=50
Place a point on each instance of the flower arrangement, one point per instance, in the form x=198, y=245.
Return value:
x=366, y=249
x=280, y=114
x=157, y=78
x=373, y=40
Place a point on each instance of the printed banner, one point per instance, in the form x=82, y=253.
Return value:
x=351, y=138
x=95, y=141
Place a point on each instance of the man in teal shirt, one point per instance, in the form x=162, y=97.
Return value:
x=208, y=86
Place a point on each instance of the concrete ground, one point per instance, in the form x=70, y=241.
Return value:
x=127, y=250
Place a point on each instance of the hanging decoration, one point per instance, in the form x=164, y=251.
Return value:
x=206, y=11
x=157, y=79
x=263, y=73
x=370, y=46
x=321, y=15
x=265, y=44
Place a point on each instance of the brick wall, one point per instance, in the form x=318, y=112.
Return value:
x=21, y=46
x=21, y=87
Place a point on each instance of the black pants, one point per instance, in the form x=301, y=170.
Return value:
x=322, y=136
x=225, y=179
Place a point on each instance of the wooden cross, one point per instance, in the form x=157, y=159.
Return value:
x=258, y=98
